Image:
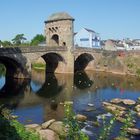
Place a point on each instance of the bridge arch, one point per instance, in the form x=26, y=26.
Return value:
x=55, y=63
x=14, y=68
x=84, y=61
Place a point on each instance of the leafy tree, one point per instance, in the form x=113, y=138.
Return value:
x=19, y=38
x=38, y=39
x=6, y=43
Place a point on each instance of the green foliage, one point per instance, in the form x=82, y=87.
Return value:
x=6, y=43
x=2, y=69
x=106, y=128
x=138, y=72
x=23, y=134
x=38, y=66
x=37, y=39
x=74, y=132
x=128, y=122
x=18, y=39
x=11, y=129
x=130, y=65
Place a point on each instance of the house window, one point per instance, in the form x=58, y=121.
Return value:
x=84, y=39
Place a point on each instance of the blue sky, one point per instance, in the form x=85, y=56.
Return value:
x=115, y=19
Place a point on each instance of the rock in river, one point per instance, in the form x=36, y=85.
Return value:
x=81, y=118
x=47, y=124
x=116, y=100
x=33, y=127
x=48, y=134
x=137, y=108
x=128, y=102
x=124, y=101
x=133, y=131
x=59, y=128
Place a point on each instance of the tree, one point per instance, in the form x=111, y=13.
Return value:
x=19, y=38
x=6, y=43
x=38, y=39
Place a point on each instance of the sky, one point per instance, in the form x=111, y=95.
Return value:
x=113, y=19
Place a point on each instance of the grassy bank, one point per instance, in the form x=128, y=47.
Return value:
x=38, y=66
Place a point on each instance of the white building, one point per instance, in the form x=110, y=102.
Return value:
x=87, y=38
x=131, y=45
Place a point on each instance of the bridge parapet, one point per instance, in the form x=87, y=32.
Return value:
x=82, y=49
x=76, y=50
x=13, y=50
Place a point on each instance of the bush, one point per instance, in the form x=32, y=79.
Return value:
x=11, y=129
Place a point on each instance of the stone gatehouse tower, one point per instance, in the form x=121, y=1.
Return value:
x=59, y=33
x=59, y=30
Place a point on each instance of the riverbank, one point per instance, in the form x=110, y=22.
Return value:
x=124, y=111
x=39, y=66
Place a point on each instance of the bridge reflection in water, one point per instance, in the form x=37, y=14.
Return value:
x=45, y=93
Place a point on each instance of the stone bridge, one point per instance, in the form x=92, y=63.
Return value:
x=18, y=61
x=60, y=54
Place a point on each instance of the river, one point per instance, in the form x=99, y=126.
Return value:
x=39, y=99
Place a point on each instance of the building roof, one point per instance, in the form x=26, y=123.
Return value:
x=89, y=30
x=59, y=16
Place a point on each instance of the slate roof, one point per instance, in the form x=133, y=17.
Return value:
x=89, y=30
x=59, y=16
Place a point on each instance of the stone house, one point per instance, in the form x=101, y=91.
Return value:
x=110, y=45
x=113, y=45
x=87, y=38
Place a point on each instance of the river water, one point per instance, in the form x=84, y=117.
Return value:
x=39, y=99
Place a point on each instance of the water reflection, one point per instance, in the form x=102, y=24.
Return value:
x=2, y=81
x=44, y=93
x=51, y=87
x=13, y=91
x=82, y=81
x=13, y=87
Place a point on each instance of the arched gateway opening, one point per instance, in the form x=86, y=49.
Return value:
x=82, y=62
x=55, y=40
x=55, y=63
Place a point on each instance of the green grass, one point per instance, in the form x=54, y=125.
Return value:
x=38, y=66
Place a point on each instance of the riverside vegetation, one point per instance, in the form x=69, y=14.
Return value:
x=11, y=128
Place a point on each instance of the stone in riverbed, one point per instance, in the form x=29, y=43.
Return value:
x=129, y=102
x=138, y=114
x=90, y=109
x=121, y=138
x=133, y=131
x=14, y=116
x=68, y=102
x=120, y=119
x=137, y=108
x=114, y=109
x=124, y=101
x=117, y=107
x=47, y=124
x=116, y=100
x=33, y=127
x=81, y=118
x=59, y=128
x=91, y=105
x=48, y=134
